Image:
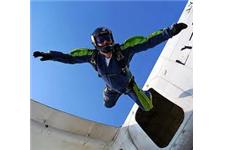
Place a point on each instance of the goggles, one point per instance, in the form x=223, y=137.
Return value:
x=103, y=40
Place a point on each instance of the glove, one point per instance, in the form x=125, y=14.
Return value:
x=177, y=27
x=44, y=56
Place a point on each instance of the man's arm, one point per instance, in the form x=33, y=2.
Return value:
x=139, y=43
x=81, y=55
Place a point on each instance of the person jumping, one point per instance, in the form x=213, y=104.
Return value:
x=111, y=61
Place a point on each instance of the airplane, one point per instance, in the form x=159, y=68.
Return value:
x=168, y=126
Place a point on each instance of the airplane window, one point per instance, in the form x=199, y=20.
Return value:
x=162, y=122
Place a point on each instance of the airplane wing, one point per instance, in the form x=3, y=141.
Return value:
x=52, y=129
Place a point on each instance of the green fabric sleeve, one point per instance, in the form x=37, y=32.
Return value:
x=81, y=52
x=139, y=40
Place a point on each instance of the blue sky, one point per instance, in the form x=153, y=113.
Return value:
x=62, y=26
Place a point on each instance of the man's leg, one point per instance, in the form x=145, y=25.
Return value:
x=110, y=97
x=142, y=98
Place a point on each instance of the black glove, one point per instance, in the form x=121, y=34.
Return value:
x=177, y=27
x=44, y=56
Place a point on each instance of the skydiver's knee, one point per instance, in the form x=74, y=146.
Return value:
x=108, y=103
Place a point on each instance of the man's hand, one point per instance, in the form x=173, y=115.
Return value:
x=44, y=56
x=177, y=27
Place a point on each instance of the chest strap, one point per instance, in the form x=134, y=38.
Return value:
x=119, y=57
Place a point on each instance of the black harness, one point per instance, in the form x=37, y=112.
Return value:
x=119, y=57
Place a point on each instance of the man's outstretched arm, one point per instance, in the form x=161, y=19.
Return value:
x=139, y=43
x=81, y=55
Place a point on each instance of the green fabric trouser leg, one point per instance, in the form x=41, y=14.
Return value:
x=142, y=98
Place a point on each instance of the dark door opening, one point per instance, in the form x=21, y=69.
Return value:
x=162, y=122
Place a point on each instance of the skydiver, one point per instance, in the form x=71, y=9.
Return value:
x=111, y=61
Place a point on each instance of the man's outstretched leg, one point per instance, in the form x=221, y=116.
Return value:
x=142, y=98
x=110, y=97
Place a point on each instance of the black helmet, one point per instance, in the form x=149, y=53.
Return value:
x=102, y=37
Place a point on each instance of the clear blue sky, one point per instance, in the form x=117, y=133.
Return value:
x=62, y=26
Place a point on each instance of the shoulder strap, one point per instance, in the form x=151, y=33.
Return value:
x=119, y=55
x=120, y=58
x=94, y=61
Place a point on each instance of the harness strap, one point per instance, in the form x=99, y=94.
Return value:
x=94, y=62
x=119, y=56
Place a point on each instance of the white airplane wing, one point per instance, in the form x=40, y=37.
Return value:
x=52, y=129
